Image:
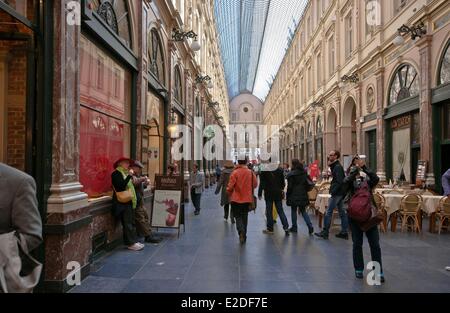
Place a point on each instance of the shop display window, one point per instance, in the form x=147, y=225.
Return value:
x=105, y=87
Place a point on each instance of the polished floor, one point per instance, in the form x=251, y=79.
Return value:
x=208, y=258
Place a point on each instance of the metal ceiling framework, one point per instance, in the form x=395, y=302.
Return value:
x=254, y=38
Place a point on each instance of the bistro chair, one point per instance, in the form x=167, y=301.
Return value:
x=312, y=196
x=410, y=210
x=443, y=213
x=380, y=203
x=325, y=187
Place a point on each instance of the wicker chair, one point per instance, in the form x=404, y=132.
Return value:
x=312, y=195
x=410, y=209
x=380, y=203
x=444, y=213
x=324, y=187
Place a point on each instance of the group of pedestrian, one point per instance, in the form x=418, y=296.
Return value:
x=128, y=202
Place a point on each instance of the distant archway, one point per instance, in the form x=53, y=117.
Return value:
x=331, y=131
x=348, y=129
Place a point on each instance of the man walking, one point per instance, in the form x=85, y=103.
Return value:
x=197, y=185
x=240, y=188
x=273, y=183
x=337, y=196
x=141, y=216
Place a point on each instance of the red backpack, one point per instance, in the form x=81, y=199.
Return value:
x=360, y=205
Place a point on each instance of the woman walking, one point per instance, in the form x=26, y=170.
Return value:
x=224, y=178
x=297, y=195
x=123, y=207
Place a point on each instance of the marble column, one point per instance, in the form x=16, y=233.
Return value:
x=67, y=230
x=338, y=125
x=381, y=129
x=359, y=135
x=426, y=133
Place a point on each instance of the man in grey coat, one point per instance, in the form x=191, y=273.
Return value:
x=18, y=206
x=197, y=184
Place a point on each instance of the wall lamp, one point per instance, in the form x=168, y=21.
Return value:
x=202, y=79
x=213, y=104
x=416, y=31
x=354, y=78
x=178, y=35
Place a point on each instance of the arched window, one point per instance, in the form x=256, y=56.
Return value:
x=197, y=108
x=404, y=85
x=309, y=131
x=444, y=73
x=178, y=87
x=319, y=127
x=156, y=57
x=302, y=135
x=117, y=15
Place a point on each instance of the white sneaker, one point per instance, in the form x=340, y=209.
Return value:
x=136, y=247
x=448, y=268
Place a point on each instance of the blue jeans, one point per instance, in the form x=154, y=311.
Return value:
x=336, y=202
x=302, y=210
x=280, y=211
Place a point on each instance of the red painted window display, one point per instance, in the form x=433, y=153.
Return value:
x=104, y=117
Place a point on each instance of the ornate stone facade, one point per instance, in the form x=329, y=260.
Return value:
x=358, y=109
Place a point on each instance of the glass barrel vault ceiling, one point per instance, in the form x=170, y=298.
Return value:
x=254, y=36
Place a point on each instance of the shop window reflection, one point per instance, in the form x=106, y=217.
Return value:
x=104, y=117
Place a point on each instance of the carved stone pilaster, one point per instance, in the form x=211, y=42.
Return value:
x=426, y=134
x=381, y=144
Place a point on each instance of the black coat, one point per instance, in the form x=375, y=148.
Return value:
x=297, y=194
x=351, y=183
x=272, y=183
x=336, y=187
x=119, y=184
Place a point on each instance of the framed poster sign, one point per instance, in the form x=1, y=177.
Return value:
x=167, y=202
x=166, y=209
x=421, y=173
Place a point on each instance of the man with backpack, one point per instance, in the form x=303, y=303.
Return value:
x=337, y=195
x=363, y=215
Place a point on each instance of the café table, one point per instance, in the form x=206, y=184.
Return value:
x=321, y=205
x=429, y=206
x=392, y=205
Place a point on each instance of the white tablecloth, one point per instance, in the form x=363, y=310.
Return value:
x=322, y=202
x=429, y=204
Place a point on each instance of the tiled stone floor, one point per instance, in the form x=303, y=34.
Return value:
x=208, y=258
